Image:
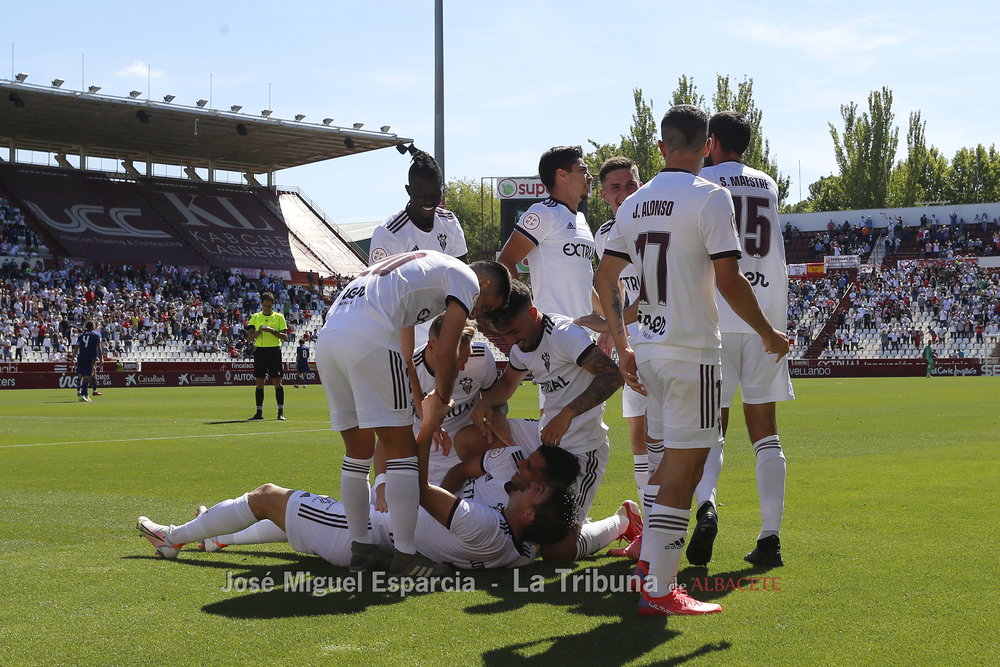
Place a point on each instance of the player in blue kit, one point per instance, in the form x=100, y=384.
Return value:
x=301, y=363
x=88, y=352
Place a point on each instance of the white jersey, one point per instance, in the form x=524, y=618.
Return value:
x=629, y=275
x=755, y=199
x=402, y=291
x=561, y=263
x=555, y=366
x=479, y=375
x=672, y=228
x=492, y=487
x=399, y=234
x=477, y=537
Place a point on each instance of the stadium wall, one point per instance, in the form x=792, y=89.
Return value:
x=855, y=368
x=15, y=375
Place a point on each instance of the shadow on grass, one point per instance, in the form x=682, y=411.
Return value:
x=628, y=637
x=235, y=421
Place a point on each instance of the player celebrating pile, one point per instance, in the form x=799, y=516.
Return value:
x=361, y=366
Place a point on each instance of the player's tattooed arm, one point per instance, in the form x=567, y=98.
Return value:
x=606, y=382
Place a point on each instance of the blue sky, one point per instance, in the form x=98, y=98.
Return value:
x=523, y=76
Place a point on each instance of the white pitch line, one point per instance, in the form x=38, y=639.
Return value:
x=173, y=437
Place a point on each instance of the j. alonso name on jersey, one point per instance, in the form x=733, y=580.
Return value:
x=653, y=207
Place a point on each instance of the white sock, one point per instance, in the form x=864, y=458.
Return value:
x=229, y=516
x=402, y=495
x=654, y=451
x=770, y=484
x=648, y=500
x=261, y=532
x=640, y=466
x=354, y=489
x=710, y=478
x=666, y=532
x=596, y=535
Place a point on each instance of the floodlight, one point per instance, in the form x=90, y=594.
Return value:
x=358, y=126
x=299, y=116
x=169, y=98
x=21, y=77
x=202, y=102
x=141, y=115
x=266, y=113
x=327, y=121
x=135, y=93
x=93, y=89
x=401, y=147
x=384, y=128
x=235, y=108
x=58, y=82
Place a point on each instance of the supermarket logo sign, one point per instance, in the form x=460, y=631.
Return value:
x=521, y=188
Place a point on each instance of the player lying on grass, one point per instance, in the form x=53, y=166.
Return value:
x=465, y=533
x=520, y=461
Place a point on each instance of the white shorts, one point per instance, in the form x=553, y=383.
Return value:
x=317, y=525
x=745, y=363
x=633, y=403
x=366, y=385
x=593, y=463
x=683, y=406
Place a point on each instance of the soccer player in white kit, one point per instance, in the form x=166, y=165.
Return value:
x=679, y=230
x=465, y=534
x=422, y=224
x=359, y=359
x=556, y=239
x=762, y=382
x=576, y=377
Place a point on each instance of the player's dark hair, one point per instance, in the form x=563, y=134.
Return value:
x=89, y=326
x=561, y=467
x=555, y=517
x=558, y=157
x=732, y=130
x=684, y=128
x=498, y=275
x=614, y=164
x=423, y=165
x=519, y=301
x=267, y=296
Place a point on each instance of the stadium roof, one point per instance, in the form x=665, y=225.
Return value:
x=61, y=121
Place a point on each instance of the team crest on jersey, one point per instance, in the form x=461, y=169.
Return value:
x=531, y=221
x=496, y=453
x=466, y=385
x=378, y=254
x=545, y=360
x=443, y=240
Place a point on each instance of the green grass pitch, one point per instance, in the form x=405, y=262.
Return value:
x=890, y=538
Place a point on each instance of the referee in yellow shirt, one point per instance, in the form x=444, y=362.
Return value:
x=268, y=330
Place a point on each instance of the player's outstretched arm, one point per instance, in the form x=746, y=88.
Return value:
x=461, y=473
x=496, y=396
x=607, y=380
x=738, y=293
x=437, y=501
